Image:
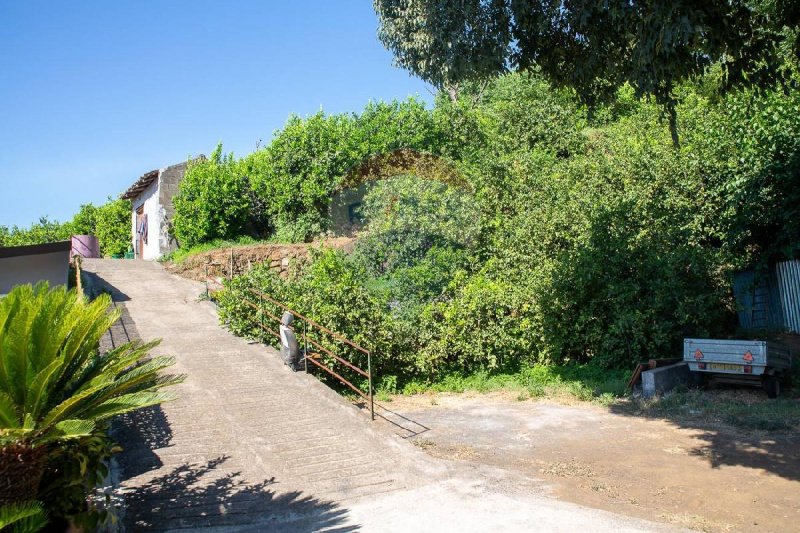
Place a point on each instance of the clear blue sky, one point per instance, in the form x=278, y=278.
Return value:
x=95, y=93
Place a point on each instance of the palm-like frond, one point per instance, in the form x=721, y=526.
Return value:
x=27, y=517
x=53, y=382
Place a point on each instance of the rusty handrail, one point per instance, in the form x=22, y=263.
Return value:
x=369, y=397
x=355, y=389
x=323, y=328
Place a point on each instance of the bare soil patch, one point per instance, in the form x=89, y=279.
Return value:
x=701, y=475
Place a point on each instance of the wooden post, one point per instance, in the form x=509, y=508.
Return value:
x=78, y=281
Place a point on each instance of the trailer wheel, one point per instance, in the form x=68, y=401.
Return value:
x=772, y=385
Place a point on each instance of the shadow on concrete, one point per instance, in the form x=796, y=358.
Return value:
x=95, y=285
x=402, y=425
x=775, y=451
x=193, y=496
x=139, y=433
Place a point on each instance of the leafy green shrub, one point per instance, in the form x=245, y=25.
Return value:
x=85, y=220
x=113, y=226
x=328, y=290
x=482, y=324
x=297, y=173
x=43, y=231
x=590, y=238
x=214, y=201
x=406, y=217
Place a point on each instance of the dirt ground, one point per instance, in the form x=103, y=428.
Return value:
x=703, y=478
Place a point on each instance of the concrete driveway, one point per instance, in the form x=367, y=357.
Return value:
x=252, y=446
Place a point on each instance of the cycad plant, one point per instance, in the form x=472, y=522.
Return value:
x=27, y=517
x=54, y=382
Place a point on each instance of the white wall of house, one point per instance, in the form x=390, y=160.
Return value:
x=149, y=199
x=52, y=267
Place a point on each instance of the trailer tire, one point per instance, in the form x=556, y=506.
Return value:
x=772, y=386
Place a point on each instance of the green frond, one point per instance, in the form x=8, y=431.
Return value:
x=53, y=382
x=9, y=416
x=26, y=517
x=128, y=402
x=68, y=429
x=40, y=386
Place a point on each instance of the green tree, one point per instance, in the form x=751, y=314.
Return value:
x=113, y=226
x=298, y=172
x=214, y=201
x=594, y=47
x=446, y=43
x=85, y=220
x=43, y=231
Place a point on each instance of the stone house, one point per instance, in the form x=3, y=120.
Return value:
x=152, y=210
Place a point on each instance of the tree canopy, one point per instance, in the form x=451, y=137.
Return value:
x=594, y=46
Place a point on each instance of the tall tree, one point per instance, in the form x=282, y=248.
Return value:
x=446, y=42
x=595, y=46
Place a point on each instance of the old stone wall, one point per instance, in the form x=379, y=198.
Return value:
x=224, y=262
x=169, y=184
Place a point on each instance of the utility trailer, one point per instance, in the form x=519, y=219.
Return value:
x=764, y=363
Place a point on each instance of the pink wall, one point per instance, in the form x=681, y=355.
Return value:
x=85, y=246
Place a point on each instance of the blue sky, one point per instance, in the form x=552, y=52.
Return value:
x=94, y=94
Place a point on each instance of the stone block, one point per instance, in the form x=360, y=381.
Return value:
x=660, y=380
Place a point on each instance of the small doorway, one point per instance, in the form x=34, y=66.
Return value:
x=141, y=231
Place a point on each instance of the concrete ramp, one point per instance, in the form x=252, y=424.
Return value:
x=251, y=446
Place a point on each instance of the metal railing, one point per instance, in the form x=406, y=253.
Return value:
x=310, y=356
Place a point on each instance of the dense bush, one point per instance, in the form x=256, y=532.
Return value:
x=586, y=237
x=45, y=230
x=110, y=222
x=113, y=226
x=214, y=201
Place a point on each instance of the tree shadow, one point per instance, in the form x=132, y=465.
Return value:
x=768, y=444
x=193, y=496
x=140, y=433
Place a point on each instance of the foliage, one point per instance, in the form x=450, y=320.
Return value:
x=26, y=517
x=328, y=290
x=113, y=226
x=74, y=469
x=214, y=201
x=85, y=220
x=54, y=385
x=407, y=217
x=594, y=47
x=110, y=222
x=470, y=41
x=43, y=231
x=57, y=393
x=297, y=173
x=583, y=236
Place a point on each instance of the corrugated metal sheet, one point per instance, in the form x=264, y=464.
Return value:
x=788, y=281
x=758, y=300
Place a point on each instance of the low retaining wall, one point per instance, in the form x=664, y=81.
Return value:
x=227, y=262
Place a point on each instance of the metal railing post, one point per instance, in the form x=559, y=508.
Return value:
x=371, y=398
x=261, y=316
x=207, y=281
x=305, y=342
